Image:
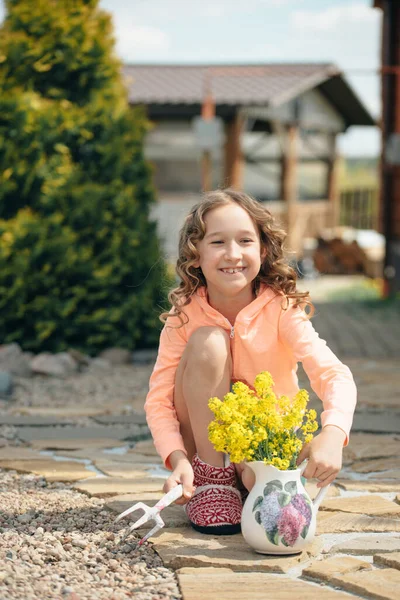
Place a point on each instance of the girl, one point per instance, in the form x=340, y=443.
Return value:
x=235, y=313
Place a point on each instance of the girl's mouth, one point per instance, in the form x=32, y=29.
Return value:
x=233, y=271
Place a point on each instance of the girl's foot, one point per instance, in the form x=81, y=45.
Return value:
x=216, y=506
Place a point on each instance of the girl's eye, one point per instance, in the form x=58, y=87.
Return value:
x=246, y=241
x=217, y=242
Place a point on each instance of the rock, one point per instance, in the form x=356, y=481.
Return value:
x=117, y=356
x=56, y=365
x=99, y=364
x=388, y=560
x=79, y=357
x=14, y=360
x=6, y=385
x=323, y=570
x=144, y=357
x=25, y=518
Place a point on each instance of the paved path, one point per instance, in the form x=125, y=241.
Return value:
x=356, y=552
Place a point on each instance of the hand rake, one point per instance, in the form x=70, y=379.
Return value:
x=150, y=513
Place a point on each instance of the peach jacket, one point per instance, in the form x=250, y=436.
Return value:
x=265, y=337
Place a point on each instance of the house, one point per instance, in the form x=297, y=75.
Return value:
x=280, y=123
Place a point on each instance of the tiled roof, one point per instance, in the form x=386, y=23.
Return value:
x=230, y=84
x=177, y=86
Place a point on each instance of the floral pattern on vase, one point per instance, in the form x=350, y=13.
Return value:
x=284, y=513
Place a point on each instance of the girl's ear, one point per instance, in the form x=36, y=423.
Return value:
x=263, y=253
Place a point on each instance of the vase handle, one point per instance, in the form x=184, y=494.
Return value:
x=321, y=494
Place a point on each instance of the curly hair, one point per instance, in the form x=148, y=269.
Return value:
x=274, y=270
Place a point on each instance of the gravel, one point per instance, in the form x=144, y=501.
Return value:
x=57, y=543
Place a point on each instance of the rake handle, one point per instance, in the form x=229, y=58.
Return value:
x=169, y=497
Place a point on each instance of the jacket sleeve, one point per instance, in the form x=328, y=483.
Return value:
x=330, y=379
x=159, y=406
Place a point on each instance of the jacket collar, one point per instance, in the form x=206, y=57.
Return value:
x=247, y=313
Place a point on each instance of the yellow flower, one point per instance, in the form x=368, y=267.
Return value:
x=256, y=425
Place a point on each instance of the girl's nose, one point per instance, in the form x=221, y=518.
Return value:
x=233, y=251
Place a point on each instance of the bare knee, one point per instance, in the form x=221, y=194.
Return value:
x=210, y=346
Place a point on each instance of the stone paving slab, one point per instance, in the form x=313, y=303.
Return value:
x=97, y=454
x=104, y=487
x=145, y=447
x=367, y=505
x=313, y=490
x=378, y=464
x=57, y=444
x=391, y=560
x=381, y=584
x=391, y=474
x=223, y=584
x=370, y=485
x=70, y=411
x=329, y=522
x=323, y=570
x=377, y=421
x=52, y=470
x=28, y=434
x=368, y=545
x=18, y=453
x=131, y=419
x=125, y=470
x=371, y=446
x=188, y=548
x=32, y=421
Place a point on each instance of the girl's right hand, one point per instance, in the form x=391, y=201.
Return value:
x=182, y=473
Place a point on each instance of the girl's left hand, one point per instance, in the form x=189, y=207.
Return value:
x=324, y=455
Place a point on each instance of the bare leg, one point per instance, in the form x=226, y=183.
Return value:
x=203, y=372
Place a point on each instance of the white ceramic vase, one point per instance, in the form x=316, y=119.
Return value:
x=278, y=516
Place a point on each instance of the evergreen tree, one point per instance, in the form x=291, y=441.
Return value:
x=80, y=262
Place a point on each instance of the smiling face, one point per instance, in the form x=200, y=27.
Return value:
x=230, y=252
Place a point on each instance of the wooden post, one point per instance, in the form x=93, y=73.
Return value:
x=289, y=182
x=233, y=173
x=333, y=186
x=207, y=113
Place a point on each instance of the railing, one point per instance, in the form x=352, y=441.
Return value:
x=359, y=208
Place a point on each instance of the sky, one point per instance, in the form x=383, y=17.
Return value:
x=344, y=32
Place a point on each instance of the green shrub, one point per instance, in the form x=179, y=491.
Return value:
x=80, y=262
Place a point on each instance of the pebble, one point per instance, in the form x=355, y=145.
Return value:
x=56, y=542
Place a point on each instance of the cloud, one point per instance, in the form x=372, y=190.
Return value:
x=334, y=17
x=140, y=42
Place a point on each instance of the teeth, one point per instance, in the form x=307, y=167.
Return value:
x=231, y=271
